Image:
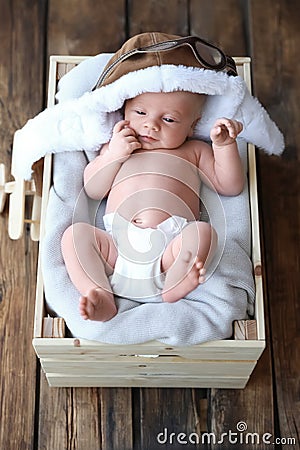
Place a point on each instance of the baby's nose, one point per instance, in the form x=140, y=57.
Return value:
x=152, y=124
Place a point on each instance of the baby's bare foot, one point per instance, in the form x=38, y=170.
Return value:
x=182, y=278
x=98, y=305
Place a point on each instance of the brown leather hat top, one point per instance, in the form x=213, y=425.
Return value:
x=178, y=56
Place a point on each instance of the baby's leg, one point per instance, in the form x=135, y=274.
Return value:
x=90, y=255
x=185, y=259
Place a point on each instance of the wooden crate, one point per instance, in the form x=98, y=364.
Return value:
x=79, y=362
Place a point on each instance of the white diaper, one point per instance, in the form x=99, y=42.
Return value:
x=137, y=273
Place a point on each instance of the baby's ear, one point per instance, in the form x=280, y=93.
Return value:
x=191, y=132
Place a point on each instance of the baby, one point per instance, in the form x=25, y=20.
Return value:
x=151, y=172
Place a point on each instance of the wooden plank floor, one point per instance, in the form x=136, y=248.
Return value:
x=33, y=416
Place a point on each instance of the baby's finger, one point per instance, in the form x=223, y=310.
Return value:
x=231, y=130
x=235, y=128
x=218, y=130
x=134, y=145
x=239, y=127
x=127, y=131
x=130, y=138
x=119, y=126
x=229, y=125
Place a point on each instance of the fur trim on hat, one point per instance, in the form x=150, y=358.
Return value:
x=86, y=122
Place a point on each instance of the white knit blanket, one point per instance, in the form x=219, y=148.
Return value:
x=207, y=313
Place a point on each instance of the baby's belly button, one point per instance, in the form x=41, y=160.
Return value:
x=149, y=218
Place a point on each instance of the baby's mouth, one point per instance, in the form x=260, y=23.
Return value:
x=146, y=138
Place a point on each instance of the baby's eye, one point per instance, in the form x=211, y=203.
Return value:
x=140, y=113
x=168, y=119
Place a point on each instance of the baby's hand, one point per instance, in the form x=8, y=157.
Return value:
x=225, y=131
x=124, y=140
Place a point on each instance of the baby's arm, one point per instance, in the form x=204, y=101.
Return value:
x=99, y=174
x=223, y=165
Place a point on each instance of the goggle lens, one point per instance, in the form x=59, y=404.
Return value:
x=204, y=52
x=212, y=56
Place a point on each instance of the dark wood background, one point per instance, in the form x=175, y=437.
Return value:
x=33, y=416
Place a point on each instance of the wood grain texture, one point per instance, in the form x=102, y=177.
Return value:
x=224, y=23
x=277, y=25
x=245, y=329
x=68, y=418
x=164, y=16
x=253, y=405
x=221, y=23
x=154, y=405
x=266, y=30
x=89, y=27
x=116, y=418
x=167, y=413
x=88, y=418
x=21, y=59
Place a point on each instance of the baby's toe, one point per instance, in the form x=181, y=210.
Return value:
x=202, y=271
x=199, y=264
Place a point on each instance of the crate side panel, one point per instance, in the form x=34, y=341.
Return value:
x=86, y=350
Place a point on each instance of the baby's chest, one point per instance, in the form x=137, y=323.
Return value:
x=155, y=166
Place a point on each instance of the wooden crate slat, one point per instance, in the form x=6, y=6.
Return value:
x=159, y=366
x=58, y=380
x=231, y=350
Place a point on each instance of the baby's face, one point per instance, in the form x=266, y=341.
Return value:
x=163, y=120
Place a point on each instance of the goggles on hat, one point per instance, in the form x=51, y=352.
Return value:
x=208, y=55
